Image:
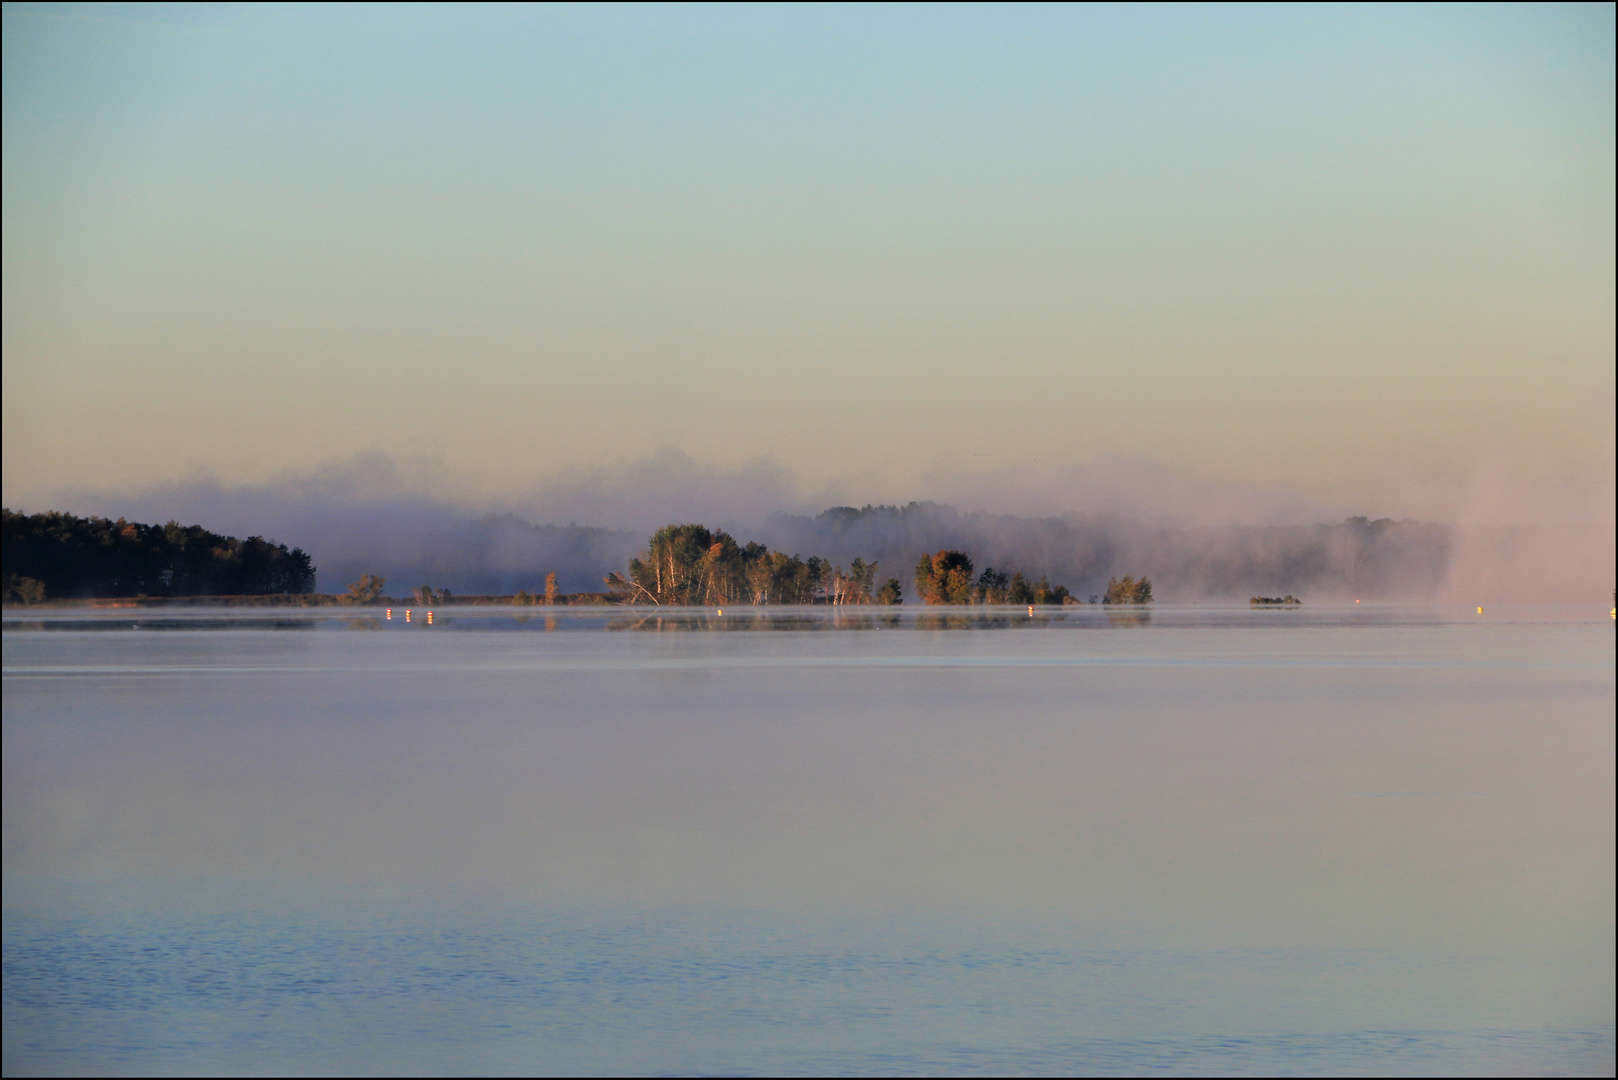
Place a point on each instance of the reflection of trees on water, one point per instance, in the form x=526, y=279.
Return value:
x=842, y=621
x=1129, y=618
x=765, y=620
x=225, y=624
x=550, y=621
x=965, y=621
x=364, y=624
x=656, y=621
x=960, y=622
x=104, y=625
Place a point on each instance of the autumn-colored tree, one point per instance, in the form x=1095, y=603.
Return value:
x=927, y=590
x=944, y=578
x=365, y=590
x=860, y=585
x=1127, y=590
x=689, y=564
x=854, y=586
x=550, y=587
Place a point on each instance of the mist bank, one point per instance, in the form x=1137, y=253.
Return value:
x=410, y=539
x=412, y=525
x=441, y=546
x=1358, y=558
x=411, y=543
x=1569, y=559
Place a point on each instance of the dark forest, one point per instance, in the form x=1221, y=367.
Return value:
x=59, y=556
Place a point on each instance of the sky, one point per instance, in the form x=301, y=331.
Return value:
x=1361, y=257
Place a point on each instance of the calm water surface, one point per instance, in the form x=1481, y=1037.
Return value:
x=1195, y=841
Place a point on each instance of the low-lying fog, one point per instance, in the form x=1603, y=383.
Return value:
x=1195, y=540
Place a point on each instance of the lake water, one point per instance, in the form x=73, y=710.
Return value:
x=1204, y=840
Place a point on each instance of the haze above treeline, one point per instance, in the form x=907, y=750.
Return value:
x=1194, y=538
x=503, y=554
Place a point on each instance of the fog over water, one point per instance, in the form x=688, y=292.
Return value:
x=1499, y=540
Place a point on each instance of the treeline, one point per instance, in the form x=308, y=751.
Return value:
x=691, y=565
x=946, y=578
x=1127, y=590
x=59, y=556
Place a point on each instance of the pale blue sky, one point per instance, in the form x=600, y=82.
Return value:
x=1348, y=252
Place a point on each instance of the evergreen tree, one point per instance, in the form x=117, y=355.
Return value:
x=71, y=556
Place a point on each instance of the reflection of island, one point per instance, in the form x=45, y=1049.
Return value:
x=767, y=619
x=1130, y=618
x=750, y=620
x=1276, y=601
x=969, y=621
